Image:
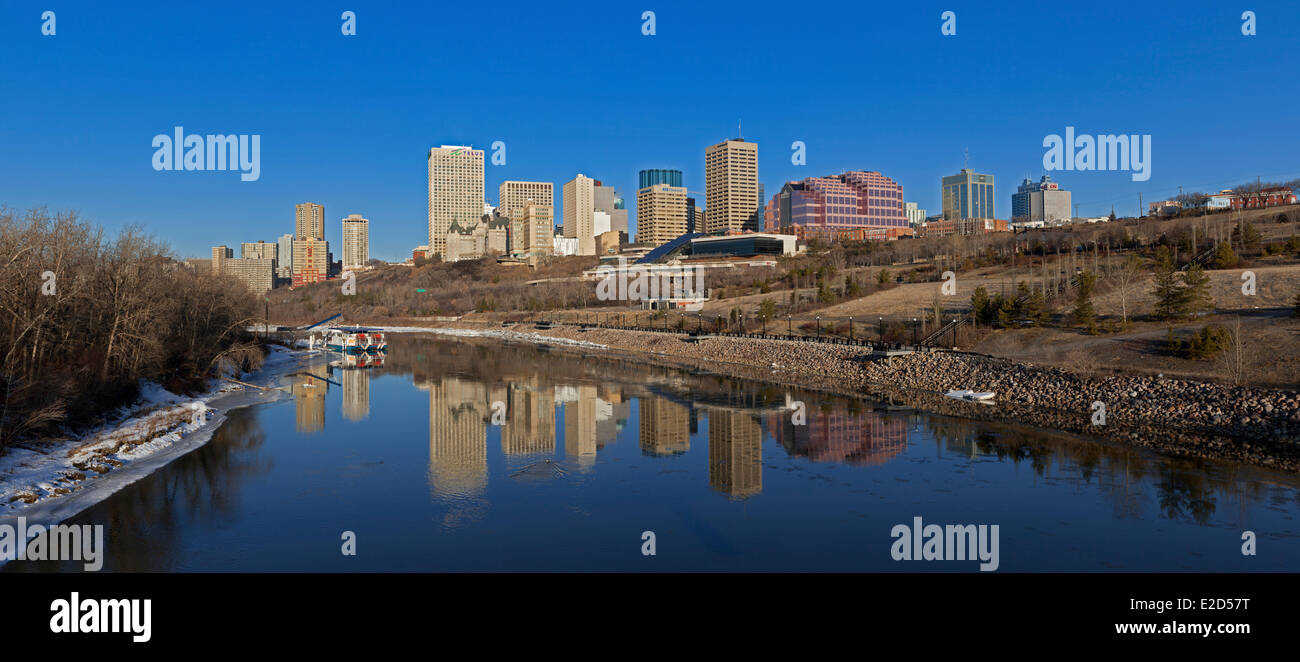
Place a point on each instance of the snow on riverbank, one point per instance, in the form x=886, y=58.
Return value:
x=520, y=336
x=48, y=484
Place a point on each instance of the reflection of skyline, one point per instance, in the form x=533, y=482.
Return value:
x=735, y=453
x=356, y=394
x=841, y=436
x=457, y=437
x=665, y=427
x=309, y=398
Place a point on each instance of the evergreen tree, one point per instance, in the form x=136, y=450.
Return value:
x=1083, y=313
x=979, y=303
x=1196, y=290
x=1224, y=256
x=1168, y=291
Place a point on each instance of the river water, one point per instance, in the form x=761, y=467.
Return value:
x=478, y=455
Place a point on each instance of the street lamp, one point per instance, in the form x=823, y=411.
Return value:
x=914, y=327
x=850, y=328
x=819, y=327
x=788, y=328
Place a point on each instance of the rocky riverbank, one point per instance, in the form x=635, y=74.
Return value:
x=1175, y=417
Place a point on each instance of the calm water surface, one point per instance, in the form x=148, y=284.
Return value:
x=481, y=456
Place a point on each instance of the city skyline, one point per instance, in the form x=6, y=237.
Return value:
x=101, y=168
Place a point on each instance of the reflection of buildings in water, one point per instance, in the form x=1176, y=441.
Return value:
x=356, y=393
x=580, y=423
x=735, y=453
x=457, y=437
x=309, y=399
x=841, y=436
x=665, y=427
x=611, y=415
x=530, y=428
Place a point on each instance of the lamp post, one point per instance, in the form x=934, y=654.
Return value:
x=914, y=328
x=850, y=328
x=819, y=327
x=788, y=326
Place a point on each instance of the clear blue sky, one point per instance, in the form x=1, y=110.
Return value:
x=573, y=87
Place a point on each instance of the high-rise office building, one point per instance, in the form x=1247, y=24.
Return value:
x=967, y=194
x=512, y=195
x=605, y=199
x=1041, y=201
x=694, y=216
x=660, y=214
x=731, y=186
x=855, y=204
x=648, y=178
x=579, y=213
x=309, y=221
x=532, y=230
x=455, y=191
x=356, y=241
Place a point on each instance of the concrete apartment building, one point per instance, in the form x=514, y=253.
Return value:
x=310, y=261
x=220, y=254
x=284, y=257
x=579, y=196
x=309, y=221
x=660, y=214
x=455, y=191
x=255, y=272
x=532, y=229
x=310, y=254
x=1043, y=201
x=967, y=194
x=731, y=187
x=356, y=241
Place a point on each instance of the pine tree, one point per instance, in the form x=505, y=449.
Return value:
x=1083, y=314
x=1196, y=290
x=979, y=303
x=1224, y=256
x=1168, y=291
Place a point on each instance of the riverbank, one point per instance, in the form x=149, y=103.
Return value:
x=1257, y=426
x=47, y=484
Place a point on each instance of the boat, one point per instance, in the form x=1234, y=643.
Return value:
x=356, y=340
x=984, y=397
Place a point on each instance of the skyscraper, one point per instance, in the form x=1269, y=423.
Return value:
x=309, y=221
x=455, y=191
x=512, y=195
x=967, y=194
x=579, y=213
x=731, y=186
x=356, y=241
x=660, y=214
x=654, y=176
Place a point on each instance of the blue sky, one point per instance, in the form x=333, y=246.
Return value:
x=573, y=87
